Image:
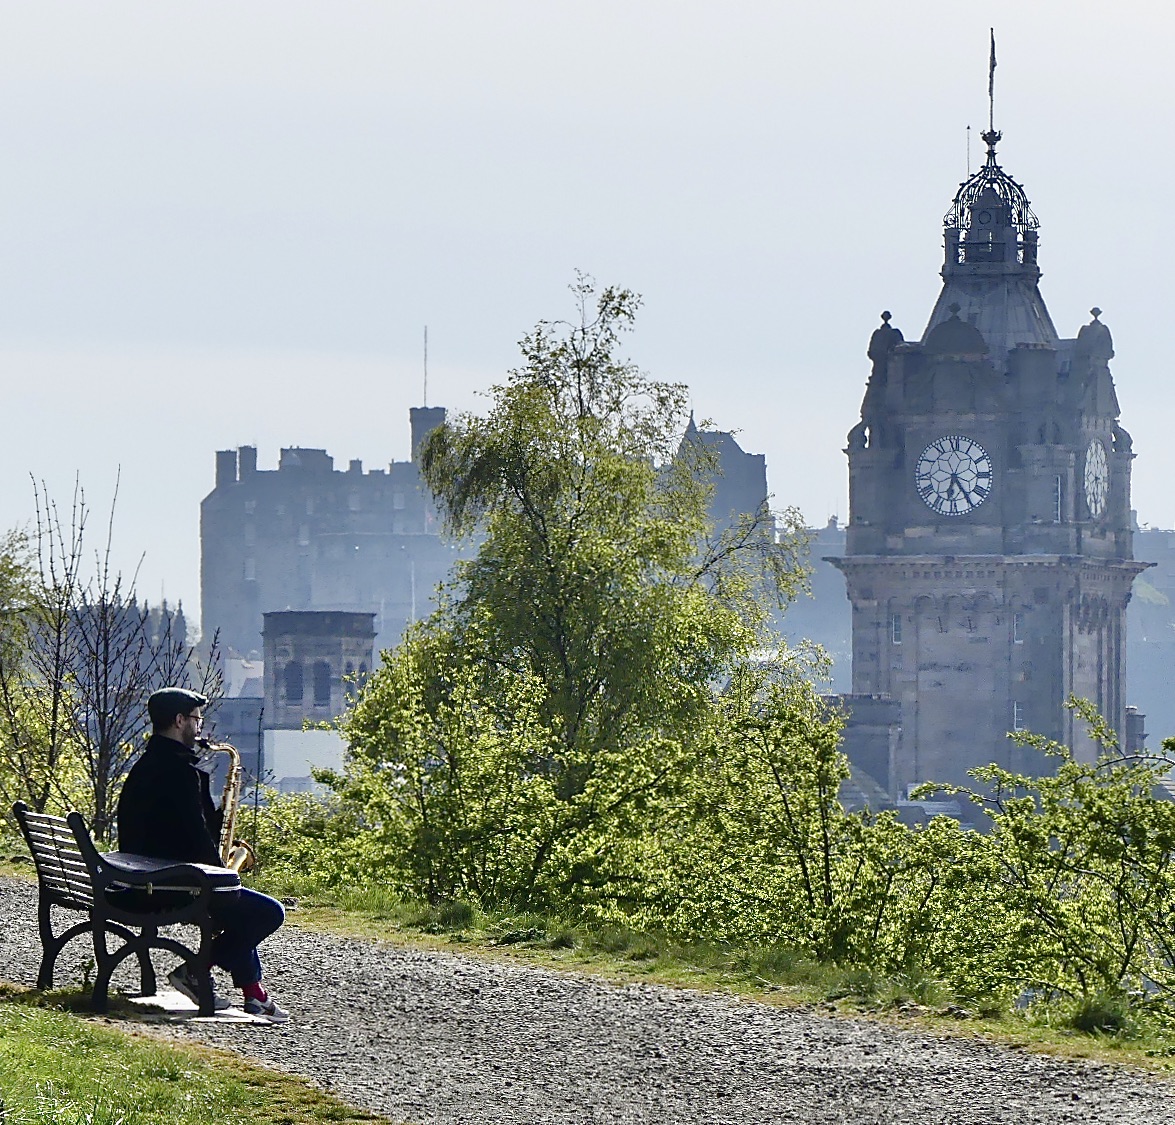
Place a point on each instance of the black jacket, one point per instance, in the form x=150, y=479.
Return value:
x=165, y=809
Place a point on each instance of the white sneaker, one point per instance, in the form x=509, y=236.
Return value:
x=183, y=980
x=267, y=1010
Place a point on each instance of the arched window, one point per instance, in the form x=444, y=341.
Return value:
x=321, y=684
x=293, y=677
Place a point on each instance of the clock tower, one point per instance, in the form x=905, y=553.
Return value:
x=988, y=553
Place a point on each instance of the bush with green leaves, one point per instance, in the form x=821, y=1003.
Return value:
x=1082, y=856
x=454, y=779
x=768, y=854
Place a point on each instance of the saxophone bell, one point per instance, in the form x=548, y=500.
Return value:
x=241, y=857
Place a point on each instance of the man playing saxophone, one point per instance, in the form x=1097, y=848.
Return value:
x=166, y=811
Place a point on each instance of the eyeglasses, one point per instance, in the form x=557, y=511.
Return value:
x=197, y=718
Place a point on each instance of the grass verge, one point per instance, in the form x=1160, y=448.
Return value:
x=14, y=857
x=56, y=1069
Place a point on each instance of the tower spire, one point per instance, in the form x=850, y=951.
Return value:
x=990, y=267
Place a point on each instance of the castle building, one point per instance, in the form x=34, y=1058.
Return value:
x=738, y=479
x=988, y=555
x=307, y=536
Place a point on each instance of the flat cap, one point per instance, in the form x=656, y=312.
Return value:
x=164, y=705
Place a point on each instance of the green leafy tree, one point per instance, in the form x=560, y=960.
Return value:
x=21, y=778
x=450, y=772
x=562, y=691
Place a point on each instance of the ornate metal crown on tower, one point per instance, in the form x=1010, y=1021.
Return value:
x=991, y=177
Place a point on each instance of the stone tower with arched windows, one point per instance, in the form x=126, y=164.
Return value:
x=313, y=660
x=988, y=553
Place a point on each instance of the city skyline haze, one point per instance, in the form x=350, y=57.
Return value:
x=229, y=224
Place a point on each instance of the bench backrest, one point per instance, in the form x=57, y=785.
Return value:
x=61, y=867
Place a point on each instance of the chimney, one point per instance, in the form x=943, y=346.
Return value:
x=226, y=467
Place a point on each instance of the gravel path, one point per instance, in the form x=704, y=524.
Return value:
x=425, y=1037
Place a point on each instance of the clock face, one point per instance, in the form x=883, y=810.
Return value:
x=1097, y=476
x=953, y=475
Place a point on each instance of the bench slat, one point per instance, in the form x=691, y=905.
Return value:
x=42, y=818
x=46, y=827
x=65, y=871
x=69, y=902
x=51, y=848
x=59, y=861
x=66, y=874
x=75, y=885
x=56, y=855
x=53, y=839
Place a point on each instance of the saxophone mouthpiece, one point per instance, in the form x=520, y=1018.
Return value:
x=204, y=744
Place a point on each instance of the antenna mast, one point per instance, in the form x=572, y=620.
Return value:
x=968, y=152
x=426, y=365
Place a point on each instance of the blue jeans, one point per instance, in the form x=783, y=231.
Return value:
x=244, y=918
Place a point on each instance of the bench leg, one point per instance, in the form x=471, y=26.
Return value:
x=50, y=946
x=146, y=969
x=104, y=967
x=137, y=945
x=202, y=965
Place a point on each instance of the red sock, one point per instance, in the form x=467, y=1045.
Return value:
x=254, y=991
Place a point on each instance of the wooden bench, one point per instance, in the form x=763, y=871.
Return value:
x=120, y=893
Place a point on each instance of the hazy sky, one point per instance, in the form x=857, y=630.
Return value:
x=228, y=223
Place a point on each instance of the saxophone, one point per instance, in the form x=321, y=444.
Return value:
x=234, y=854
